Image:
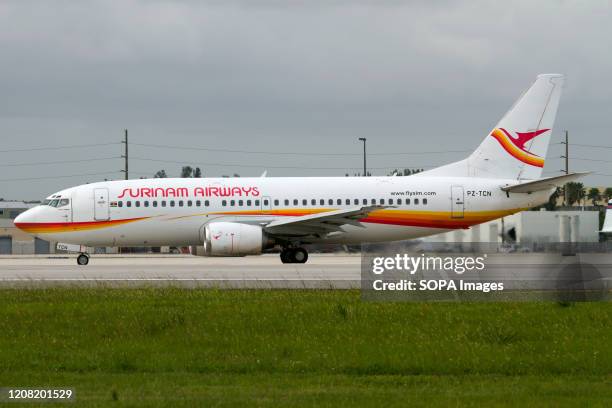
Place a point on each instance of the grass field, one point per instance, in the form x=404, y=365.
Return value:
x=172, y=347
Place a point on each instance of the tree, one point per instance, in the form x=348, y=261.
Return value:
x=594, y=195
x=575, y=192
x=608, y=193
x=405, y=172
x=186, y=171
x=160, y=174
x=551, y=205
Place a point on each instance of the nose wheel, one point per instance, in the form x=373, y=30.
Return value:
x=83, y=259
x=293, y=255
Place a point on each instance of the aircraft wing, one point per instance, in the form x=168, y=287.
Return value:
x=321, y=223
x=543, y=184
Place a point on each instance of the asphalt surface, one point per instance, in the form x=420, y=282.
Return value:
x=323, y=271
x=266, y=271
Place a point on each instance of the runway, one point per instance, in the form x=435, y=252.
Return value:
x=323, y=271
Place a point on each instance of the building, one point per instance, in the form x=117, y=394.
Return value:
x=12, y=239
x=531, y=228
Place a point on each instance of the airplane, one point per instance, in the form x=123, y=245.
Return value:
x=607, y=225
x=245, y=216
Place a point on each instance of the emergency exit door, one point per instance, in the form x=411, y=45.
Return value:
x=101, y=209
x=457, y=201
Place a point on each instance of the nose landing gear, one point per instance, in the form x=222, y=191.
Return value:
x=293, y=255
x=83, y=259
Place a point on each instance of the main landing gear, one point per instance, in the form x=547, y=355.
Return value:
x=83, y=258
x=294, y=255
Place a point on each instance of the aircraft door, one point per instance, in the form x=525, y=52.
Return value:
x=101, y=208
x=457, y=202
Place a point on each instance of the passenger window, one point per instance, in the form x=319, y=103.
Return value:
x=232, y=203
x=339, y=201
x=295, y=201
x=416, y=201
x=382, y=201
x=407, y=201
x=330, y=202
x=206, y=203
x=128, y=203
x=163, y=203
x=373, y=201
x=304, y=202
x=146, y=203
x=198, y=203
x=120, y=203
x=313, y=202
x=276, y=202
x=180, y=203
x=240, y=203
x=249, y=203
x=256, y=203
x=399, y=201
x=286, y=202
x=189, y=203
x=266, y=202
x=348, y=201
x=424, y=201
x=356, y=201
x=224, y=203
x=365, y=201
x=137, y=203
x=321, y=202
x=171, y=203
x=154, y=204
x=390, y=201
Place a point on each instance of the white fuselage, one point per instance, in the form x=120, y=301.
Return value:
x=158, y=212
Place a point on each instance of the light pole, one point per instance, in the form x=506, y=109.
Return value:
x=566, y=157
x=363, y=139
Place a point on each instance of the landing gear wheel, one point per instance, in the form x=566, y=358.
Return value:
x=299, y=255
x=293, y=255
x=285, y=255
x=83, y=259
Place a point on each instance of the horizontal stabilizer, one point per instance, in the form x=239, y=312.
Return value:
x=543, y=184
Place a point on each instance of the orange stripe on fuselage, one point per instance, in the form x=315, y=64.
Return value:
x=514, y=151
x=54, y=227
x=409, y=218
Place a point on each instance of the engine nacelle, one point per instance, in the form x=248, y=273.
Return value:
x=234, y=239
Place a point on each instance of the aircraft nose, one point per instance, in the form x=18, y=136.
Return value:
x=24, y=219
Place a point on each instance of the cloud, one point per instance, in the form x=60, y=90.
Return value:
x=300, y=75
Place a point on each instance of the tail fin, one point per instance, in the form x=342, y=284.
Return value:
x=607, y=225
x=516, y=147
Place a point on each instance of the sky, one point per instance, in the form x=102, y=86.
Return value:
x=287, y=86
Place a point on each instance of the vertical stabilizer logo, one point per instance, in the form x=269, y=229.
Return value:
x=516, y=145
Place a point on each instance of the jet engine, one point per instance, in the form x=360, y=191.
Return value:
x=234, y=239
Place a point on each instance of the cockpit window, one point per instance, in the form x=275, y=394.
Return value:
x=57, y=202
